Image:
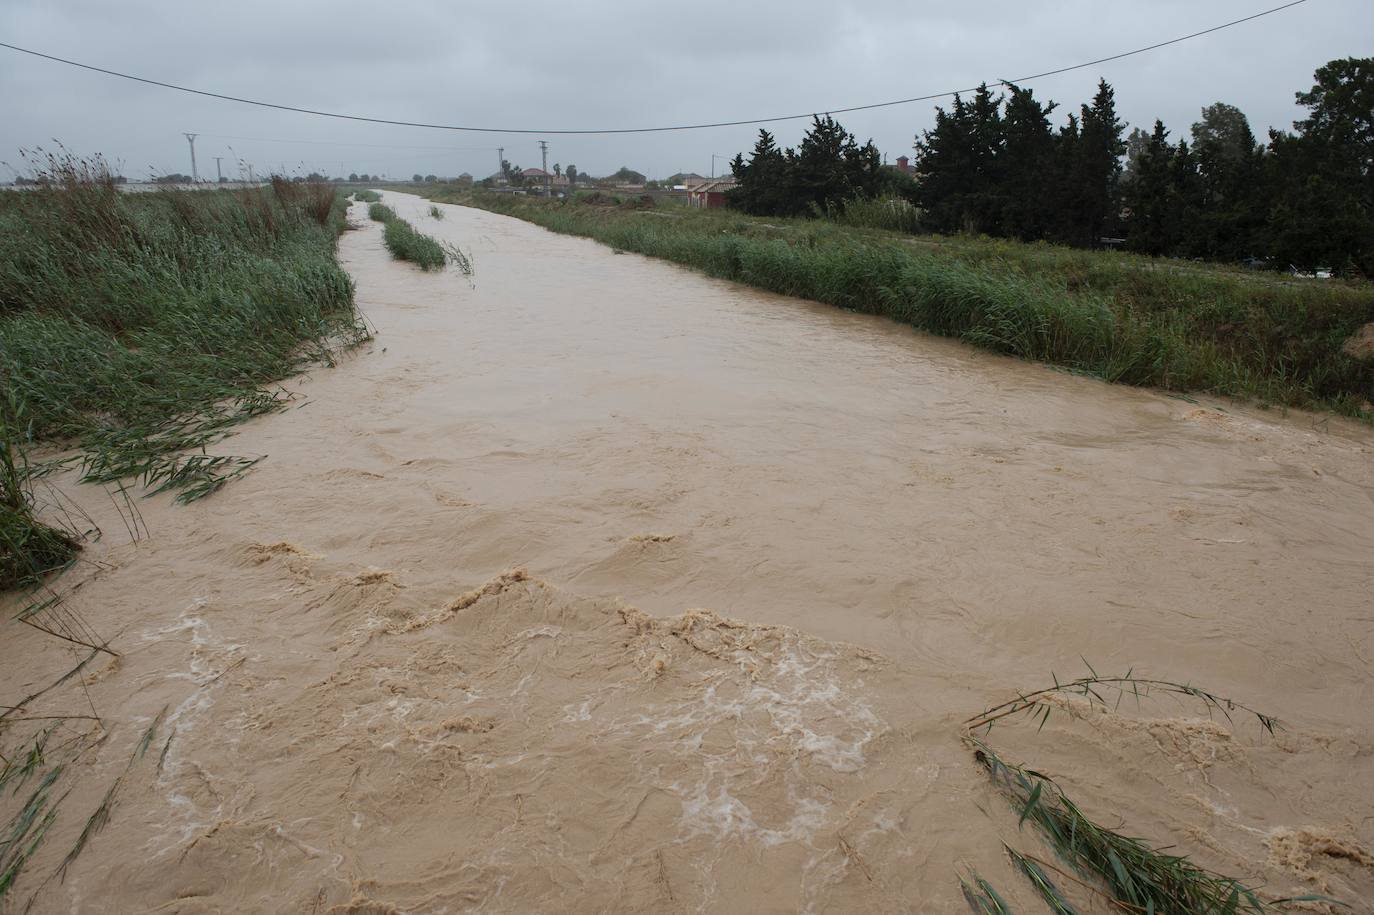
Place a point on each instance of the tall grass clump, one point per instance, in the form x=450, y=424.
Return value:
x=1121, y=317
x=137, y=328
x=896, y=214
x=406, y=244
x=366, y=196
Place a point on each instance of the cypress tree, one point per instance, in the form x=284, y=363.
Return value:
x=761, y=184
x=820, y=177
x=1066, y=192
x=1149, y=196
x=944, y=168
x=1024, y=160
x=957, y=165
x=1097, y=167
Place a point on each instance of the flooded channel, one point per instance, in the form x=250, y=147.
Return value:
x=593, y=584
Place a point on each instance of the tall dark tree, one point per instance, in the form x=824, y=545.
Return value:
x=828, y=169
x=1062, y=179
x=1024, y=159
x=994, y=164
x=761, y=183
x=1186, y=200
x=1150, y=196
x=944, y=168
x=819, y=175
x=956, y=165
x=1321, y=180
x=1096, y=168
x=1341, y=111
x=1228, y=172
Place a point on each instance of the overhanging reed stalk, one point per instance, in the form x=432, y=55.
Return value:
x=1108, y=692
x=1129, y=873
x=1138, y=877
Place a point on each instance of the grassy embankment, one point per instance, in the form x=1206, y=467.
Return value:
x=1176, y=325
x=137, y=328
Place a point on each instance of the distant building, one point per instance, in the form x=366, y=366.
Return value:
x=465, y=179
x=904, y=165
x=708, y=194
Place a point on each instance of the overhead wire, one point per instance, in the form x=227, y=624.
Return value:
x=220, y=136
x=630, y=130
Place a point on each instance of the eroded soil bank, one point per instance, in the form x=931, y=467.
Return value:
x=370, y=710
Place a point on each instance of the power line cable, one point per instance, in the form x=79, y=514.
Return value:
x=220, y=136
x=624, y=130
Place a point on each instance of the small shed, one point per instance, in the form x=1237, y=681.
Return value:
x=709, y=195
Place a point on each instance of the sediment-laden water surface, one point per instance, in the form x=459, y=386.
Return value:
x=593, y=584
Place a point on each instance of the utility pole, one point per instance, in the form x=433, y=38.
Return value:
x=191, y=138
x=714, y=157
x=544, y=148
x=219, y=172
x=501, y=161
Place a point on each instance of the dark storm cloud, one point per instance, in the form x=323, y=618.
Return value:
x=591, y=64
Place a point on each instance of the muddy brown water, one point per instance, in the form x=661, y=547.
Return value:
x=774, y=554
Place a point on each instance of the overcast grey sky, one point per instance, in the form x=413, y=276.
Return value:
x=599, y=64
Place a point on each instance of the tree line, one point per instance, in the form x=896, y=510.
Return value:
x=995, y=164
